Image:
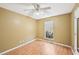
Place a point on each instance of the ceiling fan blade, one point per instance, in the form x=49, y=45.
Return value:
x=28, y=9
x=46, y=8
x=31, y=12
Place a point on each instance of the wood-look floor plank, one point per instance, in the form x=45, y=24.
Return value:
x=41, y=48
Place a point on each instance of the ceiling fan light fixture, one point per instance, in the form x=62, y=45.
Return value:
x=37, y=13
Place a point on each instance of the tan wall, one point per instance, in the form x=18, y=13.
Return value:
x=40, y=29
x=62, y=28
x=15, y=28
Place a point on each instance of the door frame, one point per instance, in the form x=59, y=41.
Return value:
x=76, y=16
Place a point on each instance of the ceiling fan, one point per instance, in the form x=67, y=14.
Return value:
x=37, y=9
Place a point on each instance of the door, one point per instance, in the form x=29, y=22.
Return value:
x=78, y=34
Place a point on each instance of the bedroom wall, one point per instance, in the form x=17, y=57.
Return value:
x=14, y=28
x=62, y=28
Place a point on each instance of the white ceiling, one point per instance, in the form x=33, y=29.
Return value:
x=56, y=9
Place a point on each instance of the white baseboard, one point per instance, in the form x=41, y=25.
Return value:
x=16, y=47
x=65, y=46
x=61, y=44
x=72, y=51
x=77, y=53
